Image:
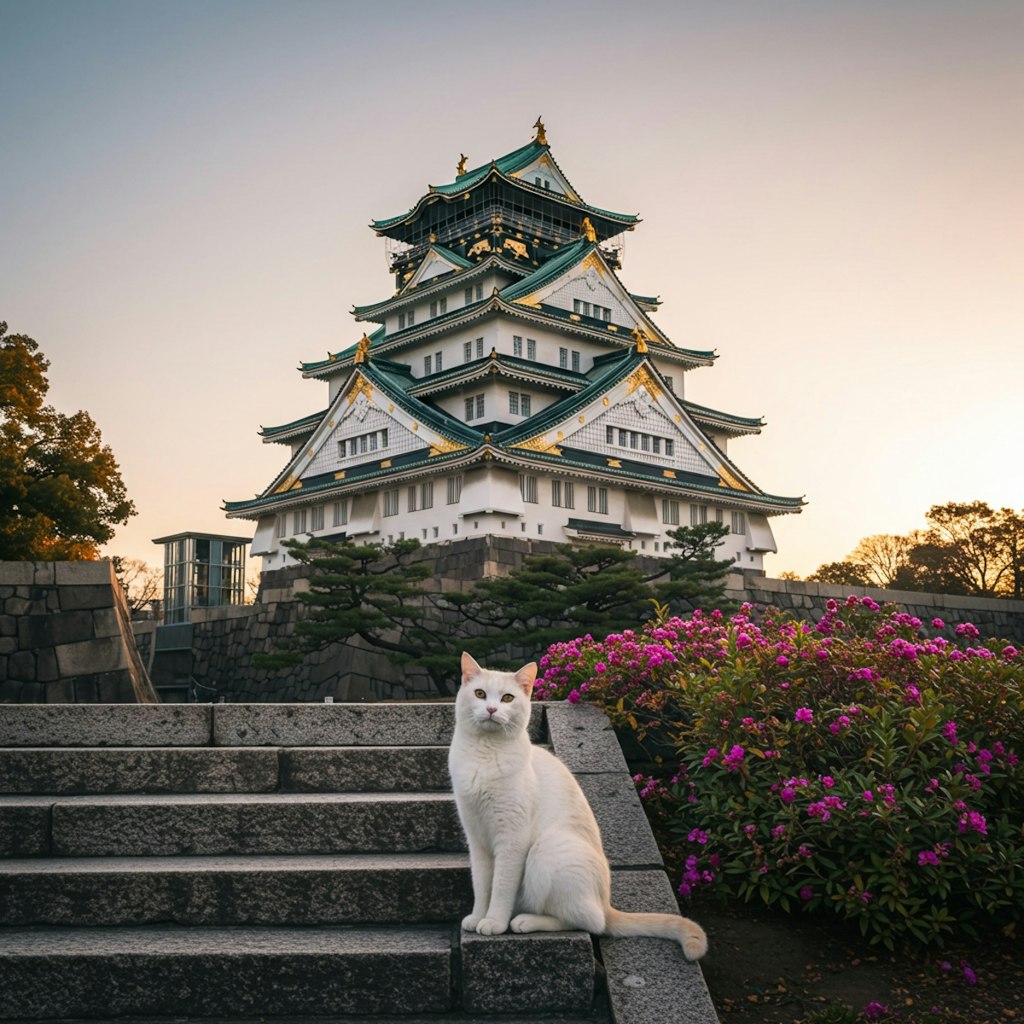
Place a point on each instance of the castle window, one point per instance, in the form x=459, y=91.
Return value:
x=474, y=407
x=427, y=365
x=518, y=403
x=469, y=296
x=442, y=304
x=427, y=494
x=479, y=406
x=316, y=518
x=401, y=321
x=531, y=348
x=467, y=352
x=479, y=348
x=528, y=488
x=479, y=292
x=517, y=345
x=609, y=435
x=391, y=502
x=437, y=361
x=670, y=512
x=410, y=318
x=583, y=308
x=698, y=515
x=299, y=521
x=340, y=513
x=739, y=522
x=670, y=381
x=454, y=489
x=433, y=310
x=670, y=446
x=597, y=500
x=576, y=361
x=562, y=494
x=411, y=503
x=563, y=358
x=281, y=527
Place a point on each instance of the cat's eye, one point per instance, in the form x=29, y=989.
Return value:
x=480, y=694
x=507, y=698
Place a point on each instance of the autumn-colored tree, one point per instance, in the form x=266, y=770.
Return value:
x=883, y=555
x=61, y=492
x=842, y=574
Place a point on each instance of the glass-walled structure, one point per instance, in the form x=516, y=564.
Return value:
x=201, y=570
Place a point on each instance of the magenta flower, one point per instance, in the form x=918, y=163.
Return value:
x=969, y=976
x=875, y=1011
x=804, y=715
x=698, y=836
x=949, y=731
x=806, y=893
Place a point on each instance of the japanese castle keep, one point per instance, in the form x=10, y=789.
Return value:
x=513, y=386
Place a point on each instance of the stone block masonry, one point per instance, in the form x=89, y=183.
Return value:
x=66, y=637
x=225, y=638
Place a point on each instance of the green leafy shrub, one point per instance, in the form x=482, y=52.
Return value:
x=867, y=764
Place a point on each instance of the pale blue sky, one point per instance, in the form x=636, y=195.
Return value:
x=830, y=192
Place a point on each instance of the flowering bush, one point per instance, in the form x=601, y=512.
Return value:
x=868, y=764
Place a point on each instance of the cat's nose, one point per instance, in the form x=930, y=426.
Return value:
x=491, y=710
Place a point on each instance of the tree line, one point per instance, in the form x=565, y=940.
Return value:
x=967, y=548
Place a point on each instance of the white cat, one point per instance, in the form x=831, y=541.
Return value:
x=534, y=847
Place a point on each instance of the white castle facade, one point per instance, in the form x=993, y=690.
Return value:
x=512, y=386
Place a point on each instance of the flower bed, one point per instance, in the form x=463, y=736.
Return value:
x=868, y=764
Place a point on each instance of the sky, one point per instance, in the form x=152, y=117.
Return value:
x=832, y=195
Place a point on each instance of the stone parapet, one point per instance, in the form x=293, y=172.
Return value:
x=66, y=636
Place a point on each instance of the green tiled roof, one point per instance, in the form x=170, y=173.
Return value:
x=305, y=421
x=506, y=166
x=747, y=422
x=449, y=279
x=375, y=338
x=549, y=270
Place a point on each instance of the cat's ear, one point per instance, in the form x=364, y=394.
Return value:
x=526, y=676
x=469, y=668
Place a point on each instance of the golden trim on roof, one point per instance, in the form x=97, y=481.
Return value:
x=540, y=444
x=593, y=261
x=726, y=479
x=443, y=446
x=460, y=170
x=362, y=387
x=541, y=138
x=641, y=378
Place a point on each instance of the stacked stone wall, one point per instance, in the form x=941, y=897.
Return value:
x=997, y=618
x=225, y=639
x=65, y=636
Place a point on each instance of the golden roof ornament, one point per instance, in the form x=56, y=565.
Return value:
x=461, y=169
x=586, y=228
x=640, y=338
x=541, y=137
x=362, y=350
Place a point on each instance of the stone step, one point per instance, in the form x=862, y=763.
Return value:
x=173, y=972
x=234, y=725
x=102, y=770
x=229, y=823
x=270, y=890
x=543, y=971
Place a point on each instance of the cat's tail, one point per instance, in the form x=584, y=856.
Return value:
x=687, y=933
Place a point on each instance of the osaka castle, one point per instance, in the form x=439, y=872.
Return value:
x=510, y=385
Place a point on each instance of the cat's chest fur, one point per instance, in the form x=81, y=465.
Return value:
x=495, y=787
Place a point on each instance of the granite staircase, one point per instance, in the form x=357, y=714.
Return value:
x=251, y=862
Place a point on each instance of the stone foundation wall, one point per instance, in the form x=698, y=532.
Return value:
x=66, y=637
x=226, y=638
x=995, y=617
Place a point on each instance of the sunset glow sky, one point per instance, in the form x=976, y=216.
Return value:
x=832, y=197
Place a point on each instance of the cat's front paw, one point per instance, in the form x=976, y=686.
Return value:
x=469, y=922
x=492, y=926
